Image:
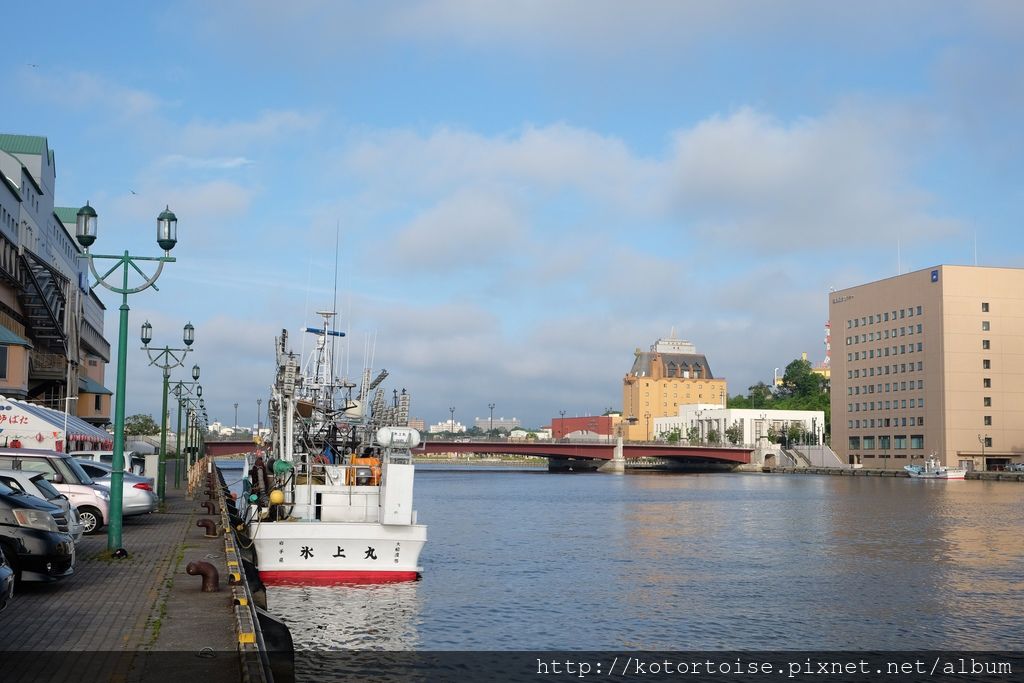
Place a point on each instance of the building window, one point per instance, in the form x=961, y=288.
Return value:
x=917, y=441
x=855, y=443
x=99, y=403
x=883, y=443
x=3, y=362
x=985, y=344
x=988, y=420
x=988, y=401
x=985, y=326
x=986, y=364
x=900, y=442
x=986, y=382
x=988, y=442
x=984, y=307
x=869, y=443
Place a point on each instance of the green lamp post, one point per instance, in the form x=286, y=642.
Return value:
x=166, y=237
x=165, y=359
x=181, y=390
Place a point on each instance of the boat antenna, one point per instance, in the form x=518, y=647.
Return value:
x=337, y=247
x=305, y=309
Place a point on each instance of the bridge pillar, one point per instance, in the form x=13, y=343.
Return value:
x=617, y=465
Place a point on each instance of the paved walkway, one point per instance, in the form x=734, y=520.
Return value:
x=137, y=619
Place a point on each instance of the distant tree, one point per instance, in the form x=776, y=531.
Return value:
x=531, y=436
x=734, y=433
x=693, y=435
x=794, y=432
x=773, y=434
x=673, y=436
x=713, y=436
x=474, y=431
x=760, y=395
x=800, y=380
x=140, y=425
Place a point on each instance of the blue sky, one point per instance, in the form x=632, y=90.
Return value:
x=524, y=192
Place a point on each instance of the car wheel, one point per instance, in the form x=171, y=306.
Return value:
x=91, y=520
x=12, y=560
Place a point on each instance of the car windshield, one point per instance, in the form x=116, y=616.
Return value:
x=69, y=465
x=7, y=490
x=46, y=488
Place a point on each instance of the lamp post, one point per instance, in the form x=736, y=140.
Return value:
x=451, y=422
x=981, y=440
x=491, y=429
x=562, y=425
x=259, y=415
x=166, y=237
x=67, y=409
x=181, y=388
x=236, y=417
x=647, y=415
x=165, y=359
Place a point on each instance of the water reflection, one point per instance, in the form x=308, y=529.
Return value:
x=530, y=560
x=355, y=617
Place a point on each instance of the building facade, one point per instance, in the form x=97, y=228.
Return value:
x=930, y=362
x=670, y=375
x=52, y=348
x=593, y=425
x=506, y=423
x=752, y=424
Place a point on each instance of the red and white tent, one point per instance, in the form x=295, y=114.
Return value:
x=27, y=425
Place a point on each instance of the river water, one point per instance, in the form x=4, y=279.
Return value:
x=527, y=560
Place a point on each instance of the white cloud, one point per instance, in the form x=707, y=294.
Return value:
x=203, y=137
x=208, y=163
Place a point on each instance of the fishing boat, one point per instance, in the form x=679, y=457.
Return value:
x=331, y=498
x=933, y=469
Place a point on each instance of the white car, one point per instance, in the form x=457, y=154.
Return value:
x=137, y=497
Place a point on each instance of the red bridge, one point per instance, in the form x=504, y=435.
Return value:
x=563, y=454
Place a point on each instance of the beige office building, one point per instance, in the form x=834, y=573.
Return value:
x=930, y=362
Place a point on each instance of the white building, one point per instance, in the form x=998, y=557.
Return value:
x=754, y=423
x=484, y=423
x=447, y=426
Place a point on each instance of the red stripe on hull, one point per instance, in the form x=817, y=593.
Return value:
x=334, y=578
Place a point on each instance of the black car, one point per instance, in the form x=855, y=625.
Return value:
x=6, y=582
x=30, y=539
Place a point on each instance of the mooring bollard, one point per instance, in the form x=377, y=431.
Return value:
x=210, y=526
x=211, y=579
x=211, y=507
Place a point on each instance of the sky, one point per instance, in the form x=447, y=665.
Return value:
x=504, y=200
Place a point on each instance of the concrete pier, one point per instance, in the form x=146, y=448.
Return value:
x=141, y=618
x=863, y=472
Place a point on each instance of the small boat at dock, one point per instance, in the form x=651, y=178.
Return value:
x=933, y=469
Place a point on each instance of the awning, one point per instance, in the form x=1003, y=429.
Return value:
x=33, y=426
x=9, y=338
x=90, y=386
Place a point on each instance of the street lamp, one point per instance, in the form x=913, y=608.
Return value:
x=67, y=409
x=236, y=417
x=181, y=387
x=981, y=440
x=647, y=414
x=166, y=237
x=451, y=423
x=491, y=429
x=259, y=415
x=562, y=425
x=166, y=359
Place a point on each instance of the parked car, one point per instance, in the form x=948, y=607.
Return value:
x=35, y=484
x=133, y=462
x=92, y=502
x=137, y=496
x=6, y=581
x=30, y=539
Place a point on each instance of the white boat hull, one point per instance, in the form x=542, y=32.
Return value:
x=937, y=475
x=304, y=552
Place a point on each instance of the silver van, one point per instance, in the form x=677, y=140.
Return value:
x=133, y=462
x=91, y=502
